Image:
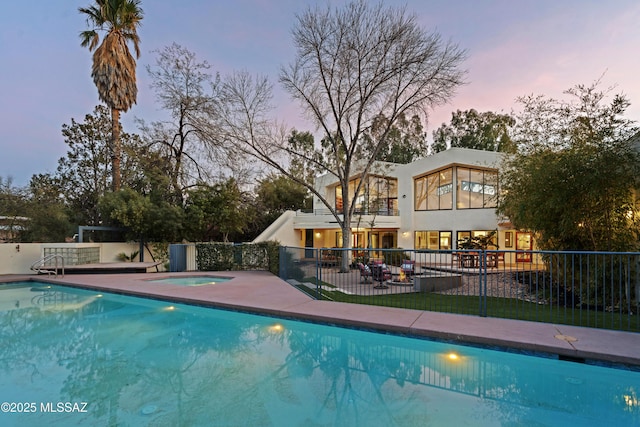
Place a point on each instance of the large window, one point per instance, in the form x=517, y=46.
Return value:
x=433, y=240
x=383, y=239
x=376, y=239
x=467, y=235
x=434, y=191
x=383, y=195
x=476, y=188
x=377, y=196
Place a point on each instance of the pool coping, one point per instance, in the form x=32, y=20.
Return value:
x=263, y=293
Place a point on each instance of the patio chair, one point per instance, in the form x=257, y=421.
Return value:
x=408, y=267
x=380, y=271
x=365, y=272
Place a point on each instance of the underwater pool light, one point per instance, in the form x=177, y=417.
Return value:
x=276, y=328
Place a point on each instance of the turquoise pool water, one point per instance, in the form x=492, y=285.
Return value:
x=138, y=362
x=192, y=280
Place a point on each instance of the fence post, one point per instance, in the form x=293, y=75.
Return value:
x=482, y=278
x=282, y=265
x=318, y=256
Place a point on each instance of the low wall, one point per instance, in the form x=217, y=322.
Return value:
x=17, y=258
x=437, y=282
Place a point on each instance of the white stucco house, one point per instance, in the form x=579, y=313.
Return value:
x=431, y=203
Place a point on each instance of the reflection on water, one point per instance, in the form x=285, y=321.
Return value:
x=140, y=362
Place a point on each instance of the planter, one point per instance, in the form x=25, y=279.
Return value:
x=435, y=283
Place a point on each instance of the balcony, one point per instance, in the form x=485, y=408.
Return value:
x=323, y=218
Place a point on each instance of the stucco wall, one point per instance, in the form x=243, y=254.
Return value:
x=17, y=258
x=289, y=229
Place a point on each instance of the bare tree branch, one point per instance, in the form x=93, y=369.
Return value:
x=353, y=64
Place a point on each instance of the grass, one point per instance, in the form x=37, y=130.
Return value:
x=506, y=308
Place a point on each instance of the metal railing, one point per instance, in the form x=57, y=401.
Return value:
x=219, y=256
x=45, y=265
x=593, y=289
x=361, y=211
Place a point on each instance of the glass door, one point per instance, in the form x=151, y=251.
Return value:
x=524, y=245
x=308, y=243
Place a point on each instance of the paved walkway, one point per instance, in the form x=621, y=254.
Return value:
x=261, y=292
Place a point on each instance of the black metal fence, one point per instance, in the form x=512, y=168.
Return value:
x=593, y=289
x=219, y=256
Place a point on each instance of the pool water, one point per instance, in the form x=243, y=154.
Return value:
x=192, y=280
x=143, y=362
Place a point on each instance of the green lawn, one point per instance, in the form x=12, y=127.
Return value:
x=507, y=308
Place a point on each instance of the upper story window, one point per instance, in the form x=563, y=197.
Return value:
x=434, y=191
x=378, y=195
x=474, y=188
x=477, y=188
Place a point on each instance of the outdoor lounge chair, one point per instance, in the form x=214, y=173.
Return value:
x=408, y=267
x=380, y=271
x=365, y=272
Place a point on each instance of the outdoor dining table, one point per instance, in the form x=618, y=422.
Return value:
x=469, y=260
x=472, y=259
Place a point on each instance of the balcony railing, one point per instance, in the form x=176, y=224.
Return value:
x=376, y=212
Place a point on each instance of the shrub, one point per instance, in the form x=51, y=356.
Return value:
x=247, y=256
x=395, y=256
x=215, y=256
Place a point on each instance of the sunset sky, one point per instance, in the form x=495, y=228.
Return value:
x=515, y=48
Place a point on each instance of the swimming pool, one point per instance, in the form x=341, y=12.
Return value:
x=135, y=361
x=191, y=280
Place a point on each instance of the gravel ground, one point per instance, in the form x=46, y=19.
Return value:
x=498, y=285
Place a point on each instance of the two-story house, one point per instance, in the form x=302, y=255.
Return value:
x=432, y=203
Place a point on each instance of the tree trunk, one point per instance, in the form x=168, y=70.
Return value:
x=115, y=149
x=346, y=241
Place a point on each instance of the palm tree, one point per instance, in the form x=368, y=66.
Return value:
x=114, y=68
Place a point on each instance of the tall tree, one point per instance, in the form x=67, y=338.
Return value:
x=114, y=68
x=186, y=89
x=33, y=214
x=274, y=195
x=353, y=64
x=84, y=174
x=573, y=180
x=216, y=212
x=13, y=208
x=405, y=141
x=49, y=219
x=142, y=215
x=298, y=166
x=481, y=131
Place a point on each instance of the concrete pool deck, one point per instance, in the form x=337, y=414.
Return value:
x=263, y=293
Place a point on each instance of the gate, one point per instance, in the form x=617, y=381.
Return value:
x=177, y=258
